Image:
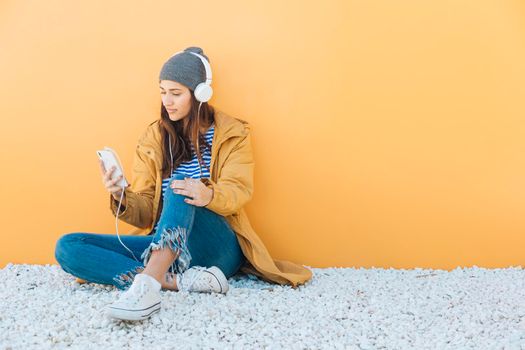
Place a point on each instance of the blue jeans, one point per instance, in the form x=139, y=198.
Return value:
x=199, y=236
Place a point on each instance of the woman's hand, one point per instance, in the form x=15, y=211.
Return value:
x=193, y=188
x=111, y=185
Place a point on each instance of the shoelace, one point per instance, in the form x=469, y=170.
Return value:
x=184, y=285
x=136, y=289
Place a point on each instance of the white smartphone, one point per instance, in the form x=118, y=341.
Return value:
x=110, y=158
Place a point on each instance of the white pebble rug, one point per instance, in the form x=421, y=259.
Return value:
x=42, y=307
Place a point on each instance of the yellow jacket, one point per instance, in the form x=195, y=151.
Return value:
x=231, y=171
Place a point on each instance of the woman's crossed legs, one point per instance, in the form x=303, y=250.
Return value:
x=186, y=236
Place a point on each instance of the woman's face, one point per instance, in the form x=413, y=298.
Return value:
x=176, y=98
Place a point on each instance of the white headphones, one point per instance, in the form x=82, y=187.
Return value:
x=203, y=91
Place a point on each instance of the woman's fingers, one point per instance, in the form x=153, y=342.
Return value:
x=183, y=184
x=112, y=187
x=180, y=184
x=109, y=182
x=117, y=179
x=108, y=174
x=112, y=182
x=192, y=202
x=183, y=192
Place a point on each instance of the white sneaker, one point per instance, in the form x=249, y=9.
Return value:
x=200, y=279
x=140, y=301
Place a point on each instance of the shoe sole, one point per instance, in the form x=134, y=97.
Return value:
x=219, y=276
x=133, y=315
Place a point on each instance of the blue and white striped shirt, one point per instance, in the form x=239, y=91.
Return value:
x=191, y=168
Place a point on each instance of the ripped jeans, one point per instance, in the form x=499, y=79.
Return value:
x=199, y=236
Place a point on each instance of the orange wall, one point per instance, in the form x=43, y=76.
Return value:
x=386, y=133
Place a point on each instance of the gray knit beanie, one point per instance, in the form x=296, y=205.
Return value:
x=185, y=68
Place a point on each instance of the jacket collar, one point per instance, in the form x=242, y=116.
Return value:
x=225, y=127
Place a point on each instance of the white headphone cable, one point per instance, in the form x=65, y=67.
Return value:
x=171, y=155
x=198, y=118
x=116, y=224
x=118, y=211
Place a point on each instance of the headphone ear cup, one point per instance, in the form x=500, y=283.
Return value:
x=203, y=92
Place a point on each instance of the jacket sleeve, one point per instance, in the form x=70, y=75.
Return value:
x=234, y=187
x=140, y=193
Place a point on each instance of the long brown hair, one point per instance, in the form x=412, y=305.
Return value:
x=184, y=133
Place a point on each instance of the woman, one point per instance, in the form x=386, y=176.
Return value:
x=192, y=175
